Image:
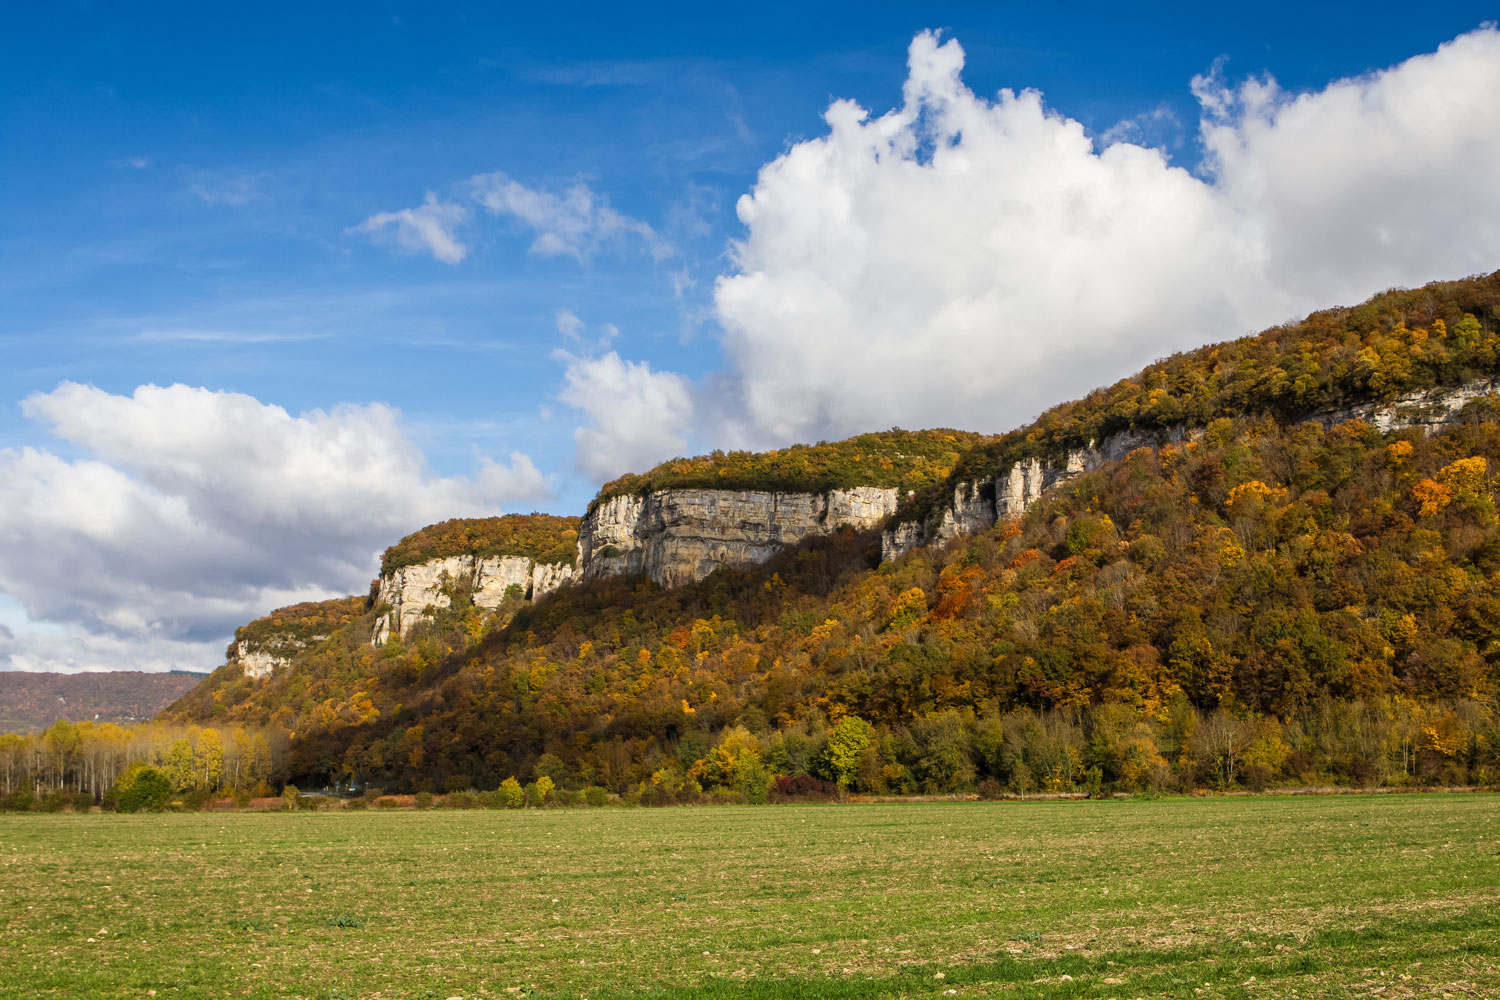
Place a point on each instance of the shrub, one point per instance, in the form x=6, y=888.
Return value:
x=595, y=796
x=990, y=789
x=357, y=805
x=424, y=800
x=196, y=799
x=143, y=789
x=803, y=786
x=291, y=798
x=511, y=794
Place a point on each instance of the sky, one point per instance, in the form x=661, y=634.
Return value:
x=282, y=284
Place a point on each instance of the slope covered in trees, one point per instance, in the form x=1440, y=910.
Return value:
x=299, y=624
x=1269, y=601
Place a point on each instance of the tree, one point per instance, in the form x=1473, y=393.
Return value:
x=549, y=765
x=208, y=759
x=848, y=740
x=512, y=794
x=143, y=789
x=544, y=788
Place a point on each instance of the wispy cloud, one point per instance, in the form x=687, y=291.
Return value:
x=590, y=73
x=224, y=336
x=133, y=163
x=577, y=223
x=232, y=191
x=431, y=227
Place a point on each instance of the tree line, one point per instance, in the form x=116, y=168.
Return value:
x=78, y=763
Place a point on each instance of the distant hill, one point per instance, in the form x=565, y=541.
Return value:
x=36, y=700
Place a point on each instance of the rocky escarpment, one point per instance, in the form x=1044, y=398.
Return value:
x=411, y=593
x=975, y=506
x=260, y=659
x=676, y=536
x=267, y=644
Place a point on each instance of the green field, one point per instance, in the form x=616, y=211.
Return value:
x=1382, y=896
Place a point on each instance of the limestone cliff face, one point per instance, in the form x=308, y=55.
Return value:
x=677, y=536
x=411, y=590
x=261, y=658
x=976, y=506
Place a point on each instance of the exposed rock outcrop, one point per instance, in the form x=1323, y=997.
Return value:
x=975, y=506
x=260, y=658
x=676, y=536
x=411, y=590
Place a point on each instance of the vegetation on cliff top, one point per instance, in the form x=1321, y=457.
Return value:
x=1398, y=342
x=545, y=538
x=893, y=459
x=299, y=624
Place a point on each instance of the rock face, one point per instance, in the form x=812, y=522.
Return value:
x=975, y=506
x=411, y=590
x=261, y=658
x=677, y=536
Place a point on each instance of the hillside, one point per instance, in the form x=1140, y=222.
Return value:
x=1395, y=343
x=31, y=701
x=1263, y=600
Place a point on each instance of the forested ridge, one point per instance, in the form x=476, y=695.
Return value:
x=1267, y=602
x=1398, y=342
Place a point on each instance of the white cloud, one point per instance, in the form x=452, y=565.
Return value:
x=431, y=227
x=637, y=417
x=577, y=223
x=134, y=162
x=682, y=281
x=967, y=261
x=194, y=511
x=569, y=325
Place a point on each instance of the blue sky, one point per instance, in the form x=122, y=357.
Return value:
x=214, y=199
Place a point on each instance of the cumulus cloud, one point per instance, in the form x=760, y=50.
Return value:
x=191, y=511
x=577, y=223
x=431, y=227
x=968, y=261
x=636, y=417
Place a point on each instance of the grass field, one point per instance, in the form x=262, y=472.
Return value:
x=1381, y=896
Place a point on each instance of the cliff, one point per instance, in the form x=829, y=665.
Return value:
x=677, y=536
x=411, y=594
x=488, y=560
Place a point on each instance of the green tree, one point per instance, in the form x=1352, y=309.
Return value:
x=143, y=789
x=848, y=740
